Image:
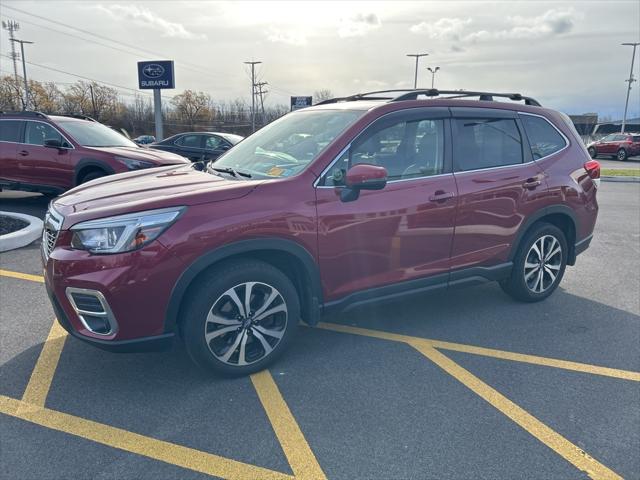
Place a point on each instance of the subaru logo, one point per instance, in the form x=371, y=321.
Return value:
x=153, y=70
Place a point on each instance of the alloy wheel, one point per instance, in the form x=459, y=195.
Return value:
x=246, y=323
x=543, y=263
x=622, y=154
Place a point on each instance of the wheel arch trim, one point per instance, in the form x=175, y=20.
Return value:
x=90, y=162
x=217, y=255
x=539, y=215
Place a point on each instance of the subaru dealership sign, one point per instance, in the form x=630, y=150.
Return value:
x=300, y=102
x=157, y=74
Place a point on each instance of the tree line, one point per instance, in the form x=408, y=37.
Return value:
x=187, y=111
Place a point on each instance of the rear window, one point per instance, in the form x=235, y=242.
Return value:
x=10, y=131
x=486, y=143
x=543, y=137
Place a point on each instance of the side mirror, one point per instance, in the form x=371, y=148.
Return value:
x=363, y=177
x=53, y=143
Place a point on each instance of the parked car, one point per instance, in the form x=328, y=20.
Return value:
x=53, y=153
x=144, y=139
x=616, y=145
x=374, y=200
x=198, y=146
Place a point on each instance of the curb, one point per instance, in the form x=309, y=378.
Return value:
x=621, y=179
x=23, y=237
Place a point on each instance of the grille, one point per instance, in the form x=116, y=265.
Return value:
x=49, y=238
x=88, y=303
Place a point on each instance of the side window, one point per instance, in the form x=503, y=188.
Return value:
x=486, y=142
x=191, y=141
x=620, y=138
x=212, y=143
x=10, y=131
x=543, y=137
x=37, y=132
x=407, y=149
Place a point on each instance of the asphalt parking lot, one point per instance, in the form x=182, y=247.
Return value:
x=465, y=384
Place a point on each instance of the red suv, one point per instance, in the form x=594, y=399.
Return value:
x=53, y=153
x=353, y=201
x=616, y=145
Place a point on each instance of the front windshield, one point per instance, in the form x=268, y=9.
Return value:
x=94, y=134
x=285, y=147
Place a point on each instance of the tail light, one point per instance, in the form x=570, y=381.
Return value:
x=593, y=170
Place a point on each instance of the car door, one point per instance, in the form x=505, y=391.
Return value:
x=191, y=145
x=43, y=165
x=499, y=185
x=10, y=136
x=215, y=146
x=402, y=232
x=607, y=145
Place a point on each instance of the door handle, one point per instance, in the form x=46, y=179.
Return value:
x=441, y=196
x=532, y=183
x=24, y=153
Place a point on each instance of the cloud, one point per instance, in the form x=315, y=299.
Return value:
x=445, y=28
x=551, y=23
x=289, y=38
x=146, y=18
x=358, y=25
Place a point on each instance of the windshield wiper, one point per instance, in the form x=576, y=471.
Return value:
x=231, y=171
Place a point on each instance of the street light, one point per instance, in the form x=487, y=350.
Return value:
x=631, y=80
x=433, y=74
x=24, y=71
x=417, y=56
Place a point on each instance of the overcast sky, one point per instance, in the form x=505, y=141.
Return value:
x=566, y=54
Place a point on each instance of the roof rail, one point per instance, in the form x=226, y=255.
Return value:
x=25, y=113
x=483, y=96
x=77, y=115
x=364, y=96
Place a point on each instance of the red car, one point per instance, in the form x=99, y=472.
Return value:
x=373, y=200
x=616, y=145
x=53, y=153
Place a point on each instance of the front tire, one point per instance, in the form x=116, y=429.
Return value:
x=240, y=318
x=621, y=155
x=92, y=176
x=539, y=264
x=592, y=152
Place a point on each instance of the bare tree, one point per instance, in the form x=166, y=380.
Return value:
x=321, y=95
x=193, y=107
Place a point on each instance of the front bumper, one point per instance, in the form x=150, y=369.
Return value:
x=135, y=286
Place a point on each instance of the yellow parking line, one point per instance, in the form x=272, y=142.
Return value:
x=171, y=453
x=488, y=352
x=21, y=276
x=524, y=419
x=39, y=384
x=300, y=456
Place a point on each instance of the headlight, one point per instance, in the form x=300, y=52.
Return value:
x=123, y=233
x=133, y=164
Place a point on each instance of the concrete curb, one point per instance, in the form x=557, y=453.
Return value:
x=621, y=179
x=22, y=237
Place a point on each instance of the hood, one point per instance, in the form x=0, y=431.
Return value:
x=140, y=153
x=145, y=190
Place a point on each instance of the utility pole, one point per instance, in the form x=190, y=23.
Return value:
x=24, y=71
x=433, y=75
x=262, y=92
x=93, y=102
x=12, y=26
x=417, y=56
x=253, y=94
x=631, y=80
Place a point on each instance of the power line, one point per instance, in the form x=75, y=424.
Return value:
x=117, y=42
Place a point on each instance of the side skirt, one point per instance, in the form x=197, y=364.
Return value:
x=455, y=279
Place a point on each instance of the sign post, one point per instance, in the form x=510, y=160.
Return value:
x=300, y=102
x=156, y=75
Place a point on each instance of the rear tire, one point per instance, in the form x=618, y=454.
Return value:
x=621, y=155
x=592, y=152
x=92, y=176
x=539, y=264
x=218, y=332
